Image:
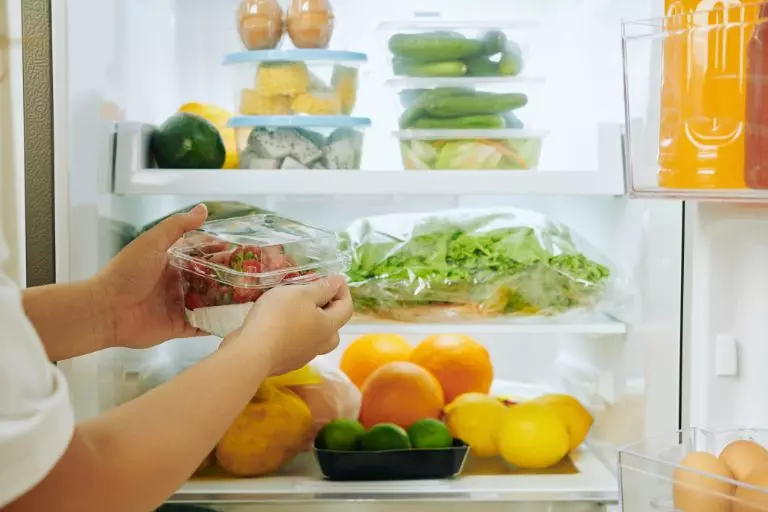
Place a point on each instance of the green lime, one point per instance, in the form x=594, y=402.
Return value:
x=341, y=435
x=385, y=436
x=430, y=433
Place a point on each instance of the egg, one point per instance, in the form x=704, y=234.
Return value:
x=693, y=492
x=743, y=456
x=752, y=500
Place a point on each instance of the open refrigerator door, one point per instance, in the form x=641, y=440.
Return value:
x=696, y=128
x=550, y=280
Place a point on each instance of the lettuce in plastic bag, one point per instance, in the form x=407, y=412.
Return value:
x=465, y=263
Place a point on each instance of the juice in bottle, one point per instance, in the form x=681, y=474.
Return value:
x=756, y=150
x=704, y=94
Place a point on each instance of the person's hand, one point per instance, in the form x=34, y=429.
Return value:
x=144, y=291
x=291, y=325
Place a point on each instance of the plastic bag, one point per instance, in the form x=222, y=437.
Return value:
x=469, y=263
x=335, y=397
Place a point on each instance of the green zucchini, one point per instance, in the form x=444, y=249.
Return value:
x=432, y=47
x=425, y=95
x=404, y=67
x=482, y=66
x=477, y=103
x=511, y=63
x=494, y=41
x=480, y=122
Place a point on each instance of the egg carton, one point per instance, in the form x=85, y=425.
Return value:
x=696, y=469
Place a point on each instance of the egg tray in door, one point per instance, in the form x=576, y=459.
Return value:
x=393, y=464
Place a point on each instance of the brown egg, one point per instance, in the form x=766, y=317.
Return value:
x=743, y=456
x=752, y=500
x=693, y=492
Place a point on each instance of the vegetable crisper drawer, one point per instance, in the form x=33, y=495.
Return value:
x=683, y=471
x=696, y=87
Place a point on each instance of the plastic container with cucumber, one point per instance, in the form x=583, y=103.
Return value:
x=447, y=49
x=470, y=149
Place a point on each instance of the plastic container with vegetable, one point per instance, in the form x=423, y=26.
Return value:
x=470, y=149
x=227, y=265
x=473, y=105
x=476, y=263
x=310, y=82
x=300, y=142
x=456, y=49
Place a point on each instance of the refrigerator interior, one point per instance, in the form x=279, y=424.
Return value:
x=144, y=58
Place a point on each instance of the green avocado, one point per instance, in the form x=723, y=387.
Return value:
x=187, y=141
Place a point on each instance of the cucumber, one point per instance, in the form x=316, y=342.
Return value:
x=474, y=104
x=482, y=66
x=494, y=42
x=432, y=47
x=481, y=122
x=424, y=95
x=447, y=68
x=511, y=63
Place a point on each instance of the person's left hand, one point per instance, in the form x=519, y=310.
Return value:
x=144, y=290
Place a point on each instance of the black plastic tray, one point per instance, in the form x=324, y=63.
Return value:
x=393, y=464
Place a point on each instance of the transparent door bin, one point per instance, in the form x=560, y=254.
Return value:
x=505, y=149
x=300, y=142
x=474, y=105
x=306, y=82
x=653, y=479
x=456, y=50
x=227, y=265
x=694, y=90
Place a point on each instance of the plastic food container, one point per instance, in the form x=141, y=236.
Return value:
x=227, y=265
x=300, y=142
x=488, y=104
x=653, y=479
x=311, y=82
x=506, y=149
x=456, y=49
x=393, y=464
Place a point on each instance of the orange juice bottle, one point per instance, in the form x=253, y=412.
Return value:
x=703, y=97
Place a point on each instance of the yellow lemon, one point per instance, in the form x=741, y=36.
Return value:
x=218, y=117
x=475, y=418
x=574, y=414
x=532, y=436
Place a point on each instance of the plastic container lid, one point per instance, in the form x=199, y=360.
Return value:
x=298, y=122
x=258, y=251
x=506, y=133
x=294, y=55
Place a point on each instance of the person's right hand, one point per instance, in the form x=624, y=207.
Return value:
x=291, y=325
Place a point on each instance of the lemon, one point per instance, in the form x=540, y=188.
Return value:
x=532, y=436
x=475, y=418
x=574, y=414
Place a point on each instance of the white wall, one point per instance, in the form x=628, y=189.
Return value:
x=11, y=139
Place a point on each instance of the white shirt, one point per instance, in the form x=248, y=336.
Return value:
x=36, y=418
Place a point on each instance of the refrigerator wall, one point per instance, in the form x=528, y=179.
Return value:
x=144, y=58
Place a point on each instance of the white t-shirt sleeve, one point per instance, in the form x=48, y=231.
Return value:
x=36, y=417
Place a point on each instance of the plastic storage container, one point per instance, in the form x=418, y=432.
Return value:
x=455, y=49
x=227, y=265
x=473, y=105
x=653, y=478
x=311, y=82
x=505, y=149
x=300, y=142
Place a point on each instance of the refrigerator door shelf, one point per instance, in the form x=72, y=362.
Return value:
x=134, y=175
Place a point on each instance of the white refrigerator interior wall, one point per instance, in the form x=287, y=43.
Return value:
x=12, y=140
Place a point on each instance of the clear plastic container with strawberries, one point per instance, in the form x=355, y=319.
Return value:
x=227, y=265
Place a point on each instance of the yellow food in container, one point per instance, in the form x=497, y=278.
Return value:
x=282, y=78
x=344, y=81
x=253, y=103
x=317, y=103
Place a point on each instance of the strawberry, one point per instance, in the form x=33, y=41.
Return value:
x=193, y=301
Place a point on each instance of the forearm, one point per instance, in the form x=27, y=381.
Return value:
x=135, y=456
x=71, y=319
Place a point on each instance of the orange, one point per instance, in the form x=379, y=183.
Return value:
x=461, y=364
x=400, y=393
x=367, y=353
